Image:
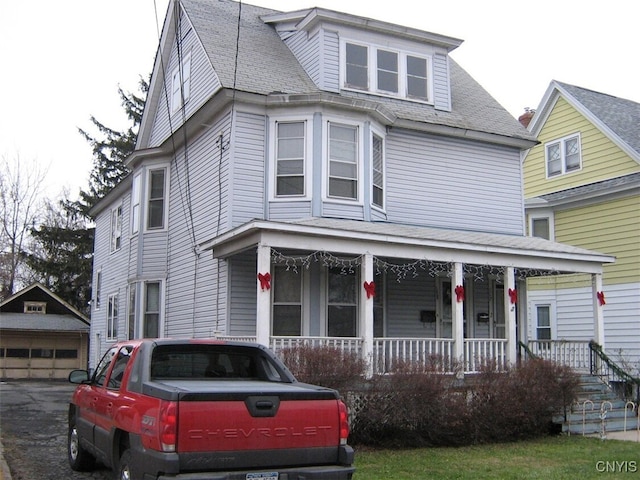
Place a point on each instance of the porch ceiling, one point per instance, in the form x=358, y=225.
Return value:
x=352, y=237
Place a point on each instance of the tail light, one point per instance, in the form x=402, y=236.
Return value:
x=344, y=422
x=168, y=426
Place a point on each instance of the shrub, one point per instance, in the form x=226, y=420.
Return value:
x=326, y=366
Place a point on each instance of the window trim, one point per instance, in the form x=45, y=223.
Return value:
x=160, y=312
x=563, y=158
x=304, y=328
x=98, y=287
x=136, y=196
x=165, y=198
x=376, y=133
x=551, y=304
x=115, y=236
x=308, y=154
x=359, y=161
x=372, y=71
x=537, y=216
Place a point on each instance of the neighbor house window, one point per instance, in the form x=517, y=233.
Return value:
x=116, y=228
x=343, y=161
x=290, y=158
x=357, y=66
x=287, y=301
x=151, y=310
x=131, y=312
x=563, y=156
x=135, y=203
x=112, y=317
x=98, y=288
x=342, y=305
x=156, y=203
x=392, y=73
x=540, y=228
x=181, y=83
x=377, y=164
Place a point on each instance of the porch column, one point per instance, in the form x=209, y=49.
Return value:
x=510, y=316
x=457, y=314
x=263, y=294
x=598, y=311
x=366, y=312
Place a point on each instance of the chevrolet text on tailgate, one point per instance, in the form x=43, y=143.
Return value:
x=205, y=409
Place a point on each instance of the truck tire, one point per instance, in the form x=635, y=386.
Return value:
x=124, y=466
x=80, y=459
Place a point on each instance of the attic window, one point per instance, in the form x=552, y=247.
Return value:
x=35, y=307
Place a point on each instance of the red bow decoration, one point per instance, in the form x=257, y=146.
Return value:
x=601, y=299
x=513, y=295
x=265, y=280
x=459, y=293
x=370, y=288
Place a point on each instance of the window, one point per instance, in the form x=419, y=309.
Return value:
x=100, y=374
x=152, y=310
x=117, y=372
x=543, y=329
x=17, y=353
x=540, y=228
x=135, y=203
x=181, y=83
x=35, y=307
x=116, y=228
x=392, y=73
x=156, y=204
x=290, y=158
x=357, y=66
x=343, y=161
x=98, y=288
x=417, y=78
x=41, y=353
x=66, y=353
x=287, y=302
x=387, y=66
x=563, y=156
x=112, y=317
x=342, y=306
x=131, y=312
x=377, y=164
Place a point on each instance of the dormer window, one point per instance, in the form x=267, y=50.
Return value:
x=387, y=72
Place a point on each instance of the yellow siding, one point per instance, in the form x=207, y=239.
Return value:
x=611, y=227
x=601, y=158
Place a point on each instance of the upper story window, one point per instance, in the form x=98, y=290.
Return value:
x=541, y=226
x=343, y=161
x=98, y=288
x=377, y=166
x=181, y=83
x=156, y=199
x=135, y=203
x=563, y=155
x=112, y=317
x=116, y=228
x=35, y=307
x=290, y=159
x=387, y=72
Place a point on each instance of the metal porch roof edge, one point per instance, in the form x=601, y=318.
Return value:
x=468, y=241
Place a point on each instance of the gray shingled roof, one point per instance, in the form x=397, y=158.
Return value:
x=591, y=188
x=266, y=65
x=620, y=115
x=43, y=322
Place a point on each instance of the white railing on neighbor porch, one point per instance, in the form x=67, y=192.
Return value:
x=571, y=353
x=346, y=344
x=482, y=353
x=389, y=352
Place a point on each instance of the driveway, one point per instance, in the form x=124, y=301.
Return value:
x=33, y=416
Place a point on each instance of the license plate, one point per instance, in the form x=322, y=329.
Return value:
x=263, y=476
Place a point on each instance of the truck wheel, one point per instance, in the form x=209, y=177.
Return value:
x=124, y=468
x=80, y=459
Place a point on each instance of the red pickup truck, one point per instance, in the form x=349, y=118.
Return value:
x=204, y=409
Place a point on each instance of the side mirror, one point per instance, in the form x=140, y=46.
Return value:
x=79, y=376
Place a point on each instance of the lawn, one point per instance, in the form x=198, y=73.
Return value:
x=553, y=458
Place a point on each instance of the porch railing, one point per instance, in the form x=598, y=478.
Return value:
x=604, y=367
x=483, y=353
x=389, y=352
x=346, y=344
x=574, y=354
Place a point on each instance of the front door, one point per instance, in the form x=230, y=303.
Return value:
x=498, y=316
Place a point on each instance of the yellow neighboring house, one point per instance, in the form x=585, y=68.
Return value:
x=582, y=187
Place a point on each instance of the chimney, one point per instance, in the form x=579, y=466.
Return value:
x=526, y=117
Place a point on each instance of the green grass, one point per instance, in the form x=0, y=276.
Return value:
x=553, y=458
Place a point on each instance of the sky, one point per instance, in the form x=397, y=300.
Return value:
x=64, y=60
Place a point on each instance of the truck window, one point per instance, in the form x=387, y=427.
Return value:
x=117, y=372
x=100, y=375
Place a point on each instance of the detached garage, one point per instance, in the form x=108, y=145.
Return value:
x=41, y=335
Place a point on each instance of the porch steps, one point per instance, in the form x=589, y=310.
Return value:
x=586, y=414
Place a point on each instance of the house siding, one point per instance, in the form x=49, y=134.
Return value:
x=452, y=184
x=601, y=158
x=441, y=85
x=242, y=299
x=203, y=83
x=307, y=50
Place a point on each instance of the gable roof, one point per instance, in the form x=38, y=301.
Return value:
x=617, y=118
x=267, y=67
